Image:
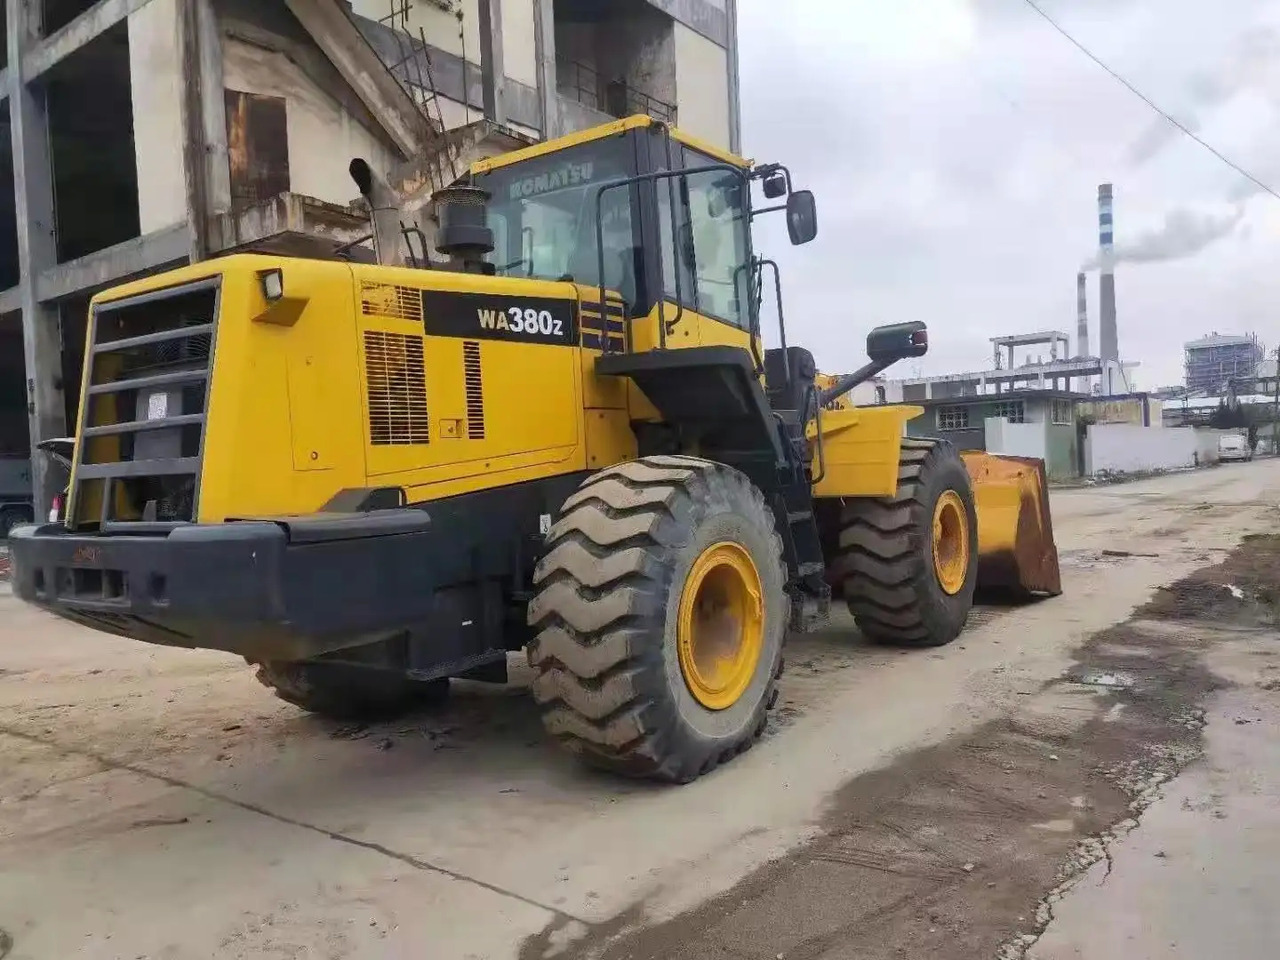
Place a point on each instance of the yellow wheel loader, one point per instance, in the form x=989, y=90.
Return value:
x=369, y=479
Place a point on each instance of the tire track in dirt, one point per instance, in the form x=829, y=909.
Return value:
x=962, y=849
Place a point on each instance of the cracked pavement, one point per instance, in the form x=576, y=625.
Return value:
x=998, y=795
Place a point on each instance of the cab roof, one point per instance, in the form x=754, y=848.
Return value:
x=600, y=132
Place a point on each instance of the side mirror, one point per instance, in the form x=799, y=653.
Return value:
x=898, y=341
x=775, y=185
x=802, y=217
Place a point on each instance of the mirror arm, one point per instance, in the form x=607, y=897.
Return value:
x=851, y=380
x=762, y=210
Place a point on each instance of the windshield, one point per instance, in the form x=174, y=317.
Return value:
x=542, y=213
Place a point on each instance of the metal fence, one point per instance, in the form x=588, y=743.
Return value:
x=616, y=97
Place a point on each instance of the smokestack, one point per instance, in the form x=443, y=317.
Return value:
x=1108, y=339
x=1082, y=317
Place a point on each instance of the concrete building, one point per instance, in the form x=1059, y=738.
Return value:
x=144, y=134
x=1214, y=361
x=1051, y=375
x=1028, y=423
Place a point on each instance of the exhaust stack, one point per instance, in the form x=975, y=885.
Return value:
x=1108, y=337
x=384, y=209
x=1082, y=316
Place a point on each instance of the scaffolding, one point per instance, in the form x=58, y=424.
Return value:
x=1214, y=361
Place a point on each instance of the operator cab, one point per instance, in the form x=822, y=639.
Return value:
x=542, y=208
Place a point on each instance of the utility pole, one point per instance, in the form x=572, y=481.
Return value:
x=1275, y=411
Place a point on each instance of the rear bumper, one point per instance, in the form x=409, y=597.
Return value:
x=265, y=589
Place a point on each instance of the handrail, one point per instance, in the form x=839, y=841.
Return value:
x=653, y=177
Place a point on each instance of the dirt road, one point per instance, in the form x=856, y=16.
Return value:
x=159, y=804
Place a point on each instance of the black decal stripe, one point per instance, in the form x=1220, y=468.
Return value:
x=451, y=314
x=592, y=321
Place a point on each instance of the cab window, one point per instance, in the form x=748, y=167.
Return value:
x=543, y=216
x=718, y=224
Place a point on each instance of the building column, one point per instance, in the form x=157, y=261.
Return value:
x=493, y=76
x=731, y=56
x=544, y=40
x=37, y=248
x=202, y=108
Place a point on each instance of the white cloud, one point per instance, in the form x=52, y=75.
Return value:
x=955, y=149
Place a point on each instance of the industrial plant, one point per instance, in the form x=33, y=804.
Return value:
x=1081, y=372
x=1214, y=362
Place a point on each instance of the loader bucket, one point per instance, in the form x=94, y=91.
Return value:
x=1017, y=555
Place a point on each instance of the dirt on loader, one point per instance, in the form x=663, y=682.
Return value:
x=962, y=849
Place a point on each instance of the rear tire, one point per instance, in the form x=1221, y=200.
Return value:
x=624, y=628
x=341, y=692
x=885, y=558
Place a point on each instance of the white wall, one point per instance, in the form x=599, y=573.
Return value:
x=702, y=87
x=157, y=115
x=519, y=53
x=1015, y=439
x=1130, y=448
x=323, y=138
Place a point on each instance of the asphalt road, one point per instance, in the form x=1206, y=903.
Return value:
x=160, y=804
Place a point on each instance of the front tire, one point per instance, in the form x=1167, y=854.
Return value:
x=907, y=565
x=659, y=618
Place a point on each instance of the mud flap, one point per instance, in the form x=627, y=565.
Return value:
x=1017, y=554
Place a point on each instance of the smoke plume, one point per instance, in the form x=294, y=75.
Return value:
x=1250, y=64
x=1184, y=233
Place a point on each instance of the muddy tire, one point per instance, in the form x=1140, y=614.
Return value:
x=641, y=549
x=901, y=587
x=340, y=692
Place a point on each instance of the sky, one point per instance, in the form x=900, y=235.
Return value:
x=955, y=148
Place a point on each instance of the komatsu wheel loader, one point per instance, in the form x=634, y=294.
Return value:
x=368, y=479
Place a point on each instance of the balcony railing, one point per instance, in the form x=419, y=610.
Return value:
x=585, y=85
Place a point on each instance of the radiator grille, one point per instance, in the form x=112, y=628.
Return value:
x=386, y=300
x=475, y=389
x=143, y=416
x=397, y=388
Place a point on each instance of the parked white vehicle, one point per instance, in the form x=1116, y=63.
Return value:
x=1232, y=446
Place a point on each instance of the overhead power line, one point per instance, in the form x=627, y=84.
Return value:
x=1149, y=102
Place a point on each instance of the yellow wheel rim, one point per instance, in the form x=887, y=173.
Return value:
x=720, y=630
x=950, y=542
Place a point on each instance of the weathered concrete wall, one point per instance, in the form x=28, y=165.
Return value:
x=155, y=69
x=1123, y=410
x=450, y=79
x=440, y=26
x=322, y=137
x=702, y=87
x=519, y=52
x=1130, y=448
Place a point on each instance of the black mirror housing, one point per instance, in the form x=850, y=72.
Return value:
x=802, y=217
x=898, y=341
x=775, y=185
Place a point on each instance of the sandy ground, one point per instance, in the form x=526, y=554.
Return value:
x=160, y=804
